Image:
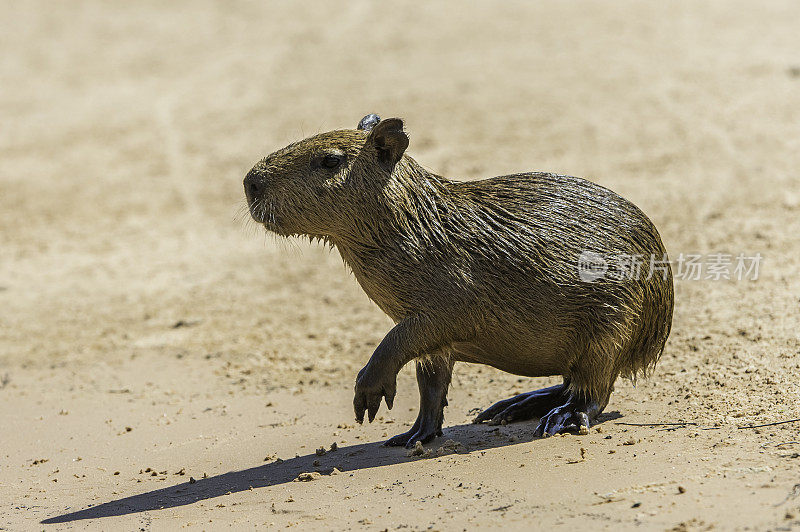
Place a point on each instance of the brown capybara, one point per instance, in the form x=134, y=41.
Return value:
x=515, y=271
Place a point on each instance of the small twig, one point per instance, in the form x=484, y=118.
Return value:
x=770, y=424
x=786, y=443
x=669, y=428
x=655, y=424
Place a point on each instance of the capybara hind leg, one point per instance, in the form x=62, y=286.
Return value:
x=433, y=378
x=576, y=414
x=524, y=406
x=590, y=382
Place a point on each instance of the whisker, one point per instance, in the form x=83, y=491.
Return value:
x=242, y=214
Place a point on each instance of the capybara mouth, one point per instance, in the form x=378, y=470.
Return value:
x=257, y=212
x=273, y=227
x=270, y=221
x=263, y=212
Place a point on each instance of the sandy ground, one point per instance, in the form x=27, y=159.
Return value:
x=165, y=365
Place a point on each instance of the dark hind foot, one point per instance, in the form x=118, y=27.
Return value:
x=576, y=414
x=524, y=406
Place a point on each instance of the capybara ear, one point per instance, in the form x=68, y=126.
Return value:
x=368, y=122
x=389, y=140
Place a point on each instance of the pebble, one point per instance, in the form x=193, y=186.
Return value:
x=307, y=477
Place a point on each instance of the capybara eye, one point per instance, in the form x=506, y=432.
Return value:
x=331, y=161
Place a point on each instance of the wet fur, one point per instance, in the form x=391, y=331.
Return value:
x=488, y=268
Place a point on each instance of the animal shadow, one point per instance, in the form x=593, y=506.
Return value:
x=346, y=459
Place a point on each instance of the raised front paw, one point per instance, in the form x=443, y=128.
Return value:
x=371, y=387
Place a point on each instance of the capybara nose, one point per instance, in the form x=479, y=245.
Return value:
x=253, y=185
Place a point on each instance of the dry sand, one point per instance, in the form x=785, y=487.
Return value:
x=149, y=335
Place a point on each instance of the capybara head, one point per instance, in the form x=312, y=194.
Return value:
x=310, y=187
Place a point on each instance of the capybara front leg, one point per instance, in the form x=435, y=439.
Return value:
x=433, y=379
x=378, y=379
